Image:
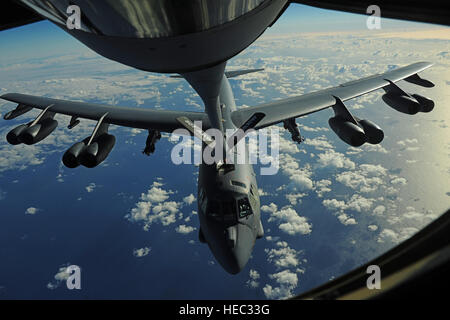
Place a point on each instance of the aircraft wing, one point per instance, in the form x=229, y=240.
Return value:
x=162, y=120
x=291, y=108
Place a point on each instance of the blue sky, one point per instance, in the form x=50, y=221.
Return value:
x=41, y=39
x=301, y=18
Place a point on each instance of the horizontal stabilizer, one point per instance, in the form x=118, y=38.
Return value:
x=236, y=73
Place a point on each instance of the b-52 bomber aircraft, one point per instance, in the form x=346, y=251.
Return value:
x=195, y=39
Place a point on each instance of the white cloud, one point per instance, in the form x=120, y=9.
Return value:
x=374, y=148
x=372, y=227
x=346, y=220
x=399, y=180
x=19, y=157
x=334, y=159
x=290, y=221
x=285, y=277
x=283, y=256
x=156, y=194
x=367, y=179
x=371, y=170
x=141, y=211
x=271, y=239
x=189, y=199
x=320, y=143
x=356, y=203
x=295, y=198
x=253, y=281
x=287, y=145
x=359, y=203
x=153, y=207
x=141, y=252
x=420, y=218
x=300, y=176
x=389, y=235
x=31, y=210
x=334, y=204
x=183, y=229
x=407, y=142
x=287, y=281
x=302, y=181
x=271, y=208
x=165, y=212
x=90, y=187
x=315, y=129
x=59, y=277
x=379, y=210
x=322, y=187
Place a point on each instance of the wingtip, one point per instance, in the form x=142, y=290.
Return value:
x=427, y=64
x=5, y=96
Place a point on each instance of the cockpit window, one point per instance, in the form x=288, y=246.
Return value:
x=237, y=183
x=229, y=210
x=223, y=210
x=244, y=208
x=214, y=208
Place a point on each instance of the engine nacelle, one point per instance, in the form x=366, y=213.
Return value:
x=13, y=136
x=426, y=104
x=347, y=131
x=373, y=132
x=31, y=134
x=71, y=156
x=97, y=151
x=401, y=103
x=38, y=132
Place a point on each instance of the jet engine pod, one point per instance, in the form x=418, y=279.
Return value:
x=38, y=132
x=426, y=104
x=401, y=103
x=349, y=132
x=13, y=136
x=97, y=151
x=373, y=132
x=70, y=158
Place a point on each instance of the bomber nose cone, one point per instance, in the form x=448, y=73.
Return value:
x=242, y=250
x=236, y=263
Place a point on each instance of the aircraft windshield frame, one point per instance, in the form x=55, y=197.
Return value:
x=222, y=209
x=244, y=207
